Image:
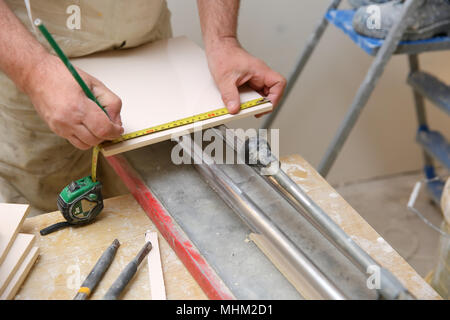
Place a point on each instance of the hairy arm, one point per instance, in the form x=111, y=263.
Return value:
x=218, y=20
x=20, y=52
x=230, y=65
x=55, y=95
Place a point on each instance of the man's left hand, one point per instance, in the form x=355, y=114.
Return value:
x=231, y=67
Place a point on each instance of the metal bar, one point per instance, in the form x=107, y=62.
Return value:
x=414, y=66
x=258, y=221
x=368, y=85
x=419, y=103
x=390, y=287
x=301, y=62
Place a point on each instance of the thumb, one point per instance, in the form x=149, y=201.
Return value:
x=109, y=100
x=113, y=108
x=230, y=96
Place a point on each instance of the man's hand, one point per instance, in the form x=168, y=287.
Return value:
x=62, y=104
x=231, y=67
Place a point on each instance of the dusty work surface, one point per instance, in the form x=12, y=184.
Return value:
x=68, y=256
x=65, y=259
x=354, y=225
x=382, y=203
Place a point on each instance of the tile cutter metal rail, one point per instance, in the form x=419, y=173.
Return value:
x=200, y=213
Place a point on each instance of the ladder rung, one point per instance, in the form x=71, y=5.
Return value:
x=435, y=145
x=431, y=88
x=435, y=189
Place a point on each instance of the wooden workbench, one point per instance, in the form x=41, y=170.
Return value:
x=64, y=259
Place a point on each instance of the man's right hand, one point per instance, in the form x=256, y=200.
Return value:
x=62, y=104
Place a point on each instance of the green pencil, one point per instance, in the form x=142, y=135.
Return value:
x=38, y=23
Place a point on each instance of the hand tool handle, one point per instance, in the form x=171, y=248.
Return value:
x=97, y=272
x=121, y=282
x=125, y=276
x=38, y=23
x=54, y=227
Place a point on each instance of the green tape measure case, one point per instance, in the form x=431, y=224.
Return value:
x=81, y=201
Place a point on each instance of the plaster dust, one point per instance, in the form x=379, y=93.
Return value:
x=59, y=271
x=360, y=231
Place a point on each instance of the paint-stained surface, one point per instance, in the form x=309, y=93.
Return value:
x=72, y=252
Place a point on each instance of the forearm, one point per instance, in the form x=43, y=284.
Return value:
x=20, y=52
x=218, y=19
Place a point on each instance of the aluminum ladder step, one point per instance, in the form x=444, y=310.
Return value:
x=343, y=20
x=432, y=88
x=435, y=145
x=435, y=189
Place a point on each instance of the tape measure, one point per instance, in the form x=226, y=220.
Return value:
x=81, y=201
x=167, y=126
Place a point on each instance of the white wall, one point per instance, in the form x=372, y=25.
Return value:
x=383, y=140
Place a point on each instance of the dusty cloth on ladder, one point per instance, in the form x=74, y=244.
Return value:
x=35, y=163
x=431, y=19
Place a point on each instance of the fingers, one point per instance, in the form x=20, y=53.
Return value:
x=77, y=143
x=275, y=84
x=273, y=89
x=113, y=108
x=95, y=128
x=257, y=83
x=108, y=99
x=86, y=136
x=262, y=79
x=230, y=94
x=99, y=124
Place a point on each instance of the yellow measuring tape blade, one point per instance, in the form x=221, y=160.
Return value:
x=95, y=153
x=167, y=126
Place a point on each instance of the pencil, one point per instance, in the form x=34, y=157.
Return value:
x=38, y=23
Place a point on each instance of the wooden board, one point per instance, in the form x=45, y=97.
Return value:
x=157, y=288
x=355, y=226
x=11, y=217
x=67, y=256
x=158, y=83
x=20, y=275
x=13, y=260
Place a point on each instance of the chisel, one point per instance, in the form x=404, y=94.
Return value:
x=127, y=273
x=97, y=272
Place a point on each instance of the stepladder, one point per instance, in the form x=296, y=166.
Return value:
x=425, y=86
